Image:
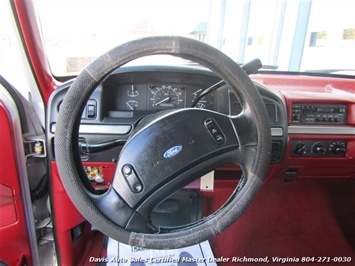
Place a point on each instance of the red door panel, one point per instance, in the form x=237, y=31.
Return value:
x=14, y=244
x=7, y=206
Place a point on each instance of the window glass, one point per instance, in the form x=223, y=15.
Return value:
x=76, y=32
x=11, y=63
x=14, y=65
x=326, y=28
x=294, y=35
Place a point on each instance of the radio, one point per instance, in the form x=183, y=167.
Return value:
x=334, y=114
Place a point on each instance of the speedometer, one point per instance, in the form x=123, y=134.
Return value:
x=166, y=97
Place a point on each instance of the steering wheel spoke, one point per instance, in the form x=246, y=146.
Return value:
x=245, y=128
x=118, y=211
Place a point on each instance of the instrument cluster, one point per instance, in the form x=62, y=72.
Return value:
x=131, y=97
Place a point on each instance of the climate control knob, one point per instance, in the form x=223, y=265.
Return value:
x=300, y=149
x=338, y=148
x=319, y=148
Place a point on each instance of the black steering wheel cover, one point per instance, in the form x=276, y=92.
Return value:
x=69, y=119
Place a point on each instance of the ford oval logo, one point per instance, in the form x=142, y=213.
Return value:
x=172, y=151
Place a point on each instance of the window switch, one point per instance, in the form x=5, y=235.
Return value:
x=91, y=111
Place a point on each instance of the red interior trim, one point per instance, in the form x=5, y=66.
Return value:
x=66, y=217
x=7, y=206
x=32, y=38
x=14, y=245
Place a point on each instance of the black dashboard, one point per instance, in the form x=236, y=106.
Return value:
x=129, y=94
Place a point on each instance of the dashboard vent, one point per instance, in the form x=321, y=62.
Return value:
x=276, y=151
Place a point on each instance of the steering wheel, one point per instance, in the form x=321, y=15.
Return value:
x=166, y=151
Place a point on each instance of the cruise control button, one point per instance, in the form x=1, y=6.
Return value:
x=132, y=179
x=215, y=131
x=134, y=183
x=219, y=139
x=127, y=169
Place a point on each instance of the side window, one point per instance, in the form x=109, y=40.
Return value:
x=14, y=66
x=11, y=67
x=330, y=38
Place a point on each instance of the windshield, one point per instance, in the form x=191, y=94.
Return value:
x=312, y=35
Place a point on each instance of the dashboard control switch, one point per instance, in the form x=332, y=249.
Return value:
x=300, y=149
x=132, y=179
x=214, y=130
x=219, y=139
x=338, y=148
x=127, y=169
x=319, y=148
x=91, y=111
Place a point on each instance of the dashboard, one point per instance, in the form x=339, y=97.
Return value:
x=311, y=118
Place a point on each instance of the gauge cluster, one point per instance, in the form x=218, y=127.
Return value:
x=128, y=95
x=158, y=96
